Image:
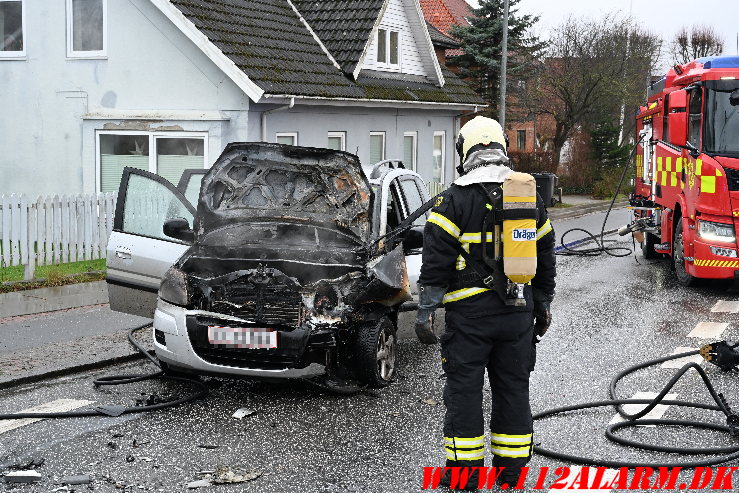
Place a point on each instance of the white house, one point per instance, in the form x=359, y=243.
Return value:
x=90, y=86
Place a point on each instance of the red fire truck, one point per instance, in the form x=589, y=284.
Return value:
x=686, y=203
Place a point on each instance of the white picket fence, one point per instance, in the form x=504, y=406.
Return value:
x=54, y=230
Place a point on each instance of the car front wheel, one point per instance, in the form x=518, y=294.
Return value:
x=678, y=255
x=375, y=352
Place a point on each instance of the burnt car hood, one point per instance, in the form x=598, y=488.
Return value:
x=258, y=182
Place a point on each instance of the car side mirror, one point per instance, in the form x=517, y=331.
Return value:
x=734, y=98
x=678, y=118
x=413, y=238
x=179, y=229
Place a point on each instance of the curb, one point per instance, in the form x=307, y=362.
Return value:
x=577, y=211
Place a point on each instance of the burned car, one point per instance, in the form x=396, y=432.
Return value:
x=292, y=265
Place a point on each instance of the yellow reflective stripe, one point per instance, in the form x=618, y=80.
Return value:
x=668, y=164
x=546, y=228
x=444, y=224
x=511, y=439
x=466, y=442
x=463, y=456
x=461, y=263
x=472, y=453
x=698, y=166
x=474, y=237
x=708, y=184
x=519, y=199
x=461, y=294
x=511, y=452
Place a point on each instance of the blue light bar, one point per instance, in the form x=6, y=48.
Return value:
x=720, y=62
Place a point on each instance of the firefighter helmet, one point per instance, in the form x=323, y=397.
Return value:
x=478, y=134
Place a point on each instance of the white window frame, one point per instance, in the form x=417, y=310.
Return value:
x=442, y=133
x=99, y=54
x=338, y=135
x=152, y=148
x=384, y=144
x=294, y=135
x=414, y=164
x=16, y=55
x=386, y=65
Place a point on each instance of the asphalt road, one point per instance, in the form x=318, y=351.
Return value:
x=609, y=313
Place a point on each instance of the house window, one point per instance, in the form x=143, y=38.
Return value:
x=12, y=28
x=388, y=43
x=521, y=140
x=337, y=141
x=288, y=138
x=86, y=28
x=410, y=149
x=437, y=176
x=377, y=147
x=165, y=153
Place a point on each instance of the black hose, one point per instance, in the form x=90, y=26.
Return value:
x=730, y=453
x=200, y=392
x=601, y=247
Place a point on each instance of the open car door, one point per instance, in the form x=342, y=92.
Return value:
x=139, y=253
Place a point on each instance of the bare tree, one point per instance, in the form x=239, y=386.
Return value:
x=697, y=42
x=593, y=69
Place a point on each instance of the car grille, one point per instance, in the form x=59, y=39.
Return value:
x=274, y=305
x=288, y=354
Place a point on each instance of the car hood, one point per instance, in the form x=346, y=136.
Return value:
x=273, y=183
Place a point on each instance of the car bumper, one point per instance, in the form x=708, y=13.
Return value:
x=177, y=350
x=706, y=265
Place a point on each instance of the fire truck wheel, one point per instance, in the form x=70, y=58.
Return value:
x=678, y=256
x=647, y=246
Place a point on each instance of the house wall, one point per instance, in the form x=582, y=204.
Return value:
x=48, y=146
x=358, y=122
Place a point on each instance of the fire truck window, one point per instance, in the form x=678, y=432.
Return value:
x=694, y=123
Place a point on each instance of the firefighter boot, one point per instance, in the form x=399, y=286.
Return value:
x=461, y=475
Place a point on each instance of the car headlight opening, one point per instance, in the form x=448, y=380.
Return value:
x=174, y=288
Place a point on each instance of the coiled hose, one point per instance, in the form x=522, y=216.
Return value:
x=725, y=454
x=200, y=392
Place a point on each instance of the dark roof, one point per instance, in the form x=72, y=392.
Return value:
x=343, y=26
x=269, y=43
x=441, y=40
x=403, y=87
x=266, y=40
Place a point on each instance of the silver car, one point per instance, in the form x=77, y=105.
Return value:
x=294, y=264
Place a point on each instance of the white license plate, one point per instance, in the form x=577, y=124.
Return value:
x=242, y=337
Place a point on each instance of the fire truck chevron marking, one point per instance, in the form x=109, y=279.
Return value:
x=717, y=263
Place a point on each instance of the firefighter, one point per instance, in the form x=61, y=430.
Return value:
x=487, y=326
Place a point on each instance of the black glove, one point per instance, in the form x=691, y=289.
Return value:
x=429, y=297
x=542, y=320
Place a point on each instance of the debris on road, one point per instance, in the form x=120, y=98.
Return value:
x=209, y=447
x=225, y=474
x=80, y=479
x=201, y=483
x=243, y=412
x=29, y=476
x=431, y=402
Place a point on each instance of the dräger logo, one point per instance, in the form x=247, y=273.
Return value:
x=524, y=234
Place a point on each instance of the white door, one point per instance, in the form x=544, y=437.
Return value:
x=139, y=253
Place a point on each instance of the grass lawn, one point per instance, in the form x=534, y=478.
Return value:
x=54, y=274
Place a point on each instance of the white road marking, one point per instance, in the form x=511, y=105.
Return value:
x=725, y=306
x=57, y=406
x=656, y=413
x=680, y=362
x=588, y=477
x=708, y=330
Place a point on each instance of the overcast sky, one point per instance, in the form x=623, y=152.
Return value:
x=662, y=18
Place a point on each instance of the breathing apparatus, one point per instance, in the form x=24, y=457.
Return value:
x=512, y=210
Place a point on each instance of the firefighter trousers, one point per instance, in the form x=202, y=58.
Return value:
x=502, y=344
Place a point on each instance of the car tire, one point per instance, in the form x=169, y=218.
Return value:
x=678, y=257
x=647, y=246
x=375, y=352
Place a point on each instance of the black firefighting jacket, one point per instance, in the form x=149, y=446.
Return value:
x=457, y=218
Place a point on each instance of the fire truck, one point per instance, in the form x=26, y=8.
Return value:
x=686, y=200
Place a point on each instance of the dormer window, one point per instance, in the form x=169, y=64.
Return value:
x=388, y=43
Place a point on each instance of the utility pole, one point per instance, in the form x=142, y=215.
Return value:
x=503, y=66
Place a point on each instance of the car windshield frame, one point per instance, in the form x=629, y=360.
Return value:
x=719, y=116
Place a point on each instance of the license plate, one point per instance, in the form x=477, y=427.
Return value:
x=242, y=337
